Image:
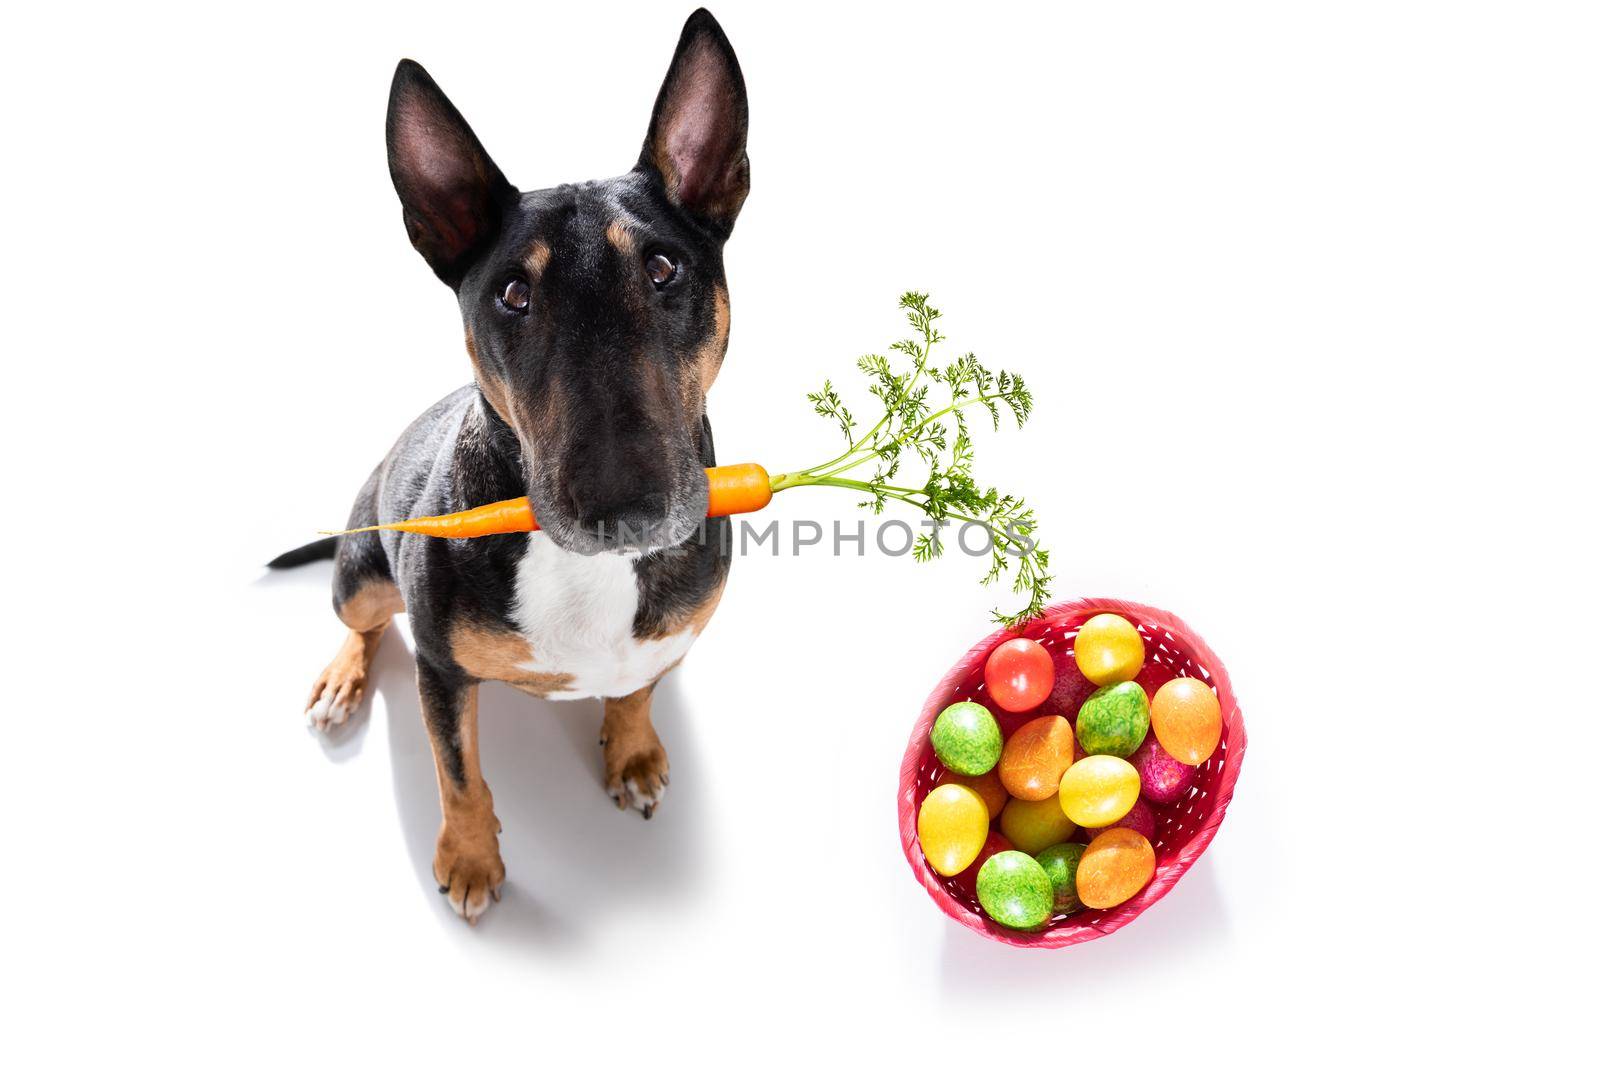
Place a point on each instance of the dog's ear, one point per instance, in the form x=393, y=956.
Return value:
x=697, y=131
x=452, y=194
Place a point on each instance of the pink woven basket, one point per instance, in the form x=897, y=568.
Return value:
x=1183, y=828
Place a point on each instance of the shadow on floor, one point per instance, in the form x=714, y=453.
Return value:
x=1190, y=917
x=573, y=861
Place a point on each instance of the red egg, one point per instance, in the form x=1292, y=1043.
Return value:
x=1152, y=675
x=1019, y=675
x=1071, y=688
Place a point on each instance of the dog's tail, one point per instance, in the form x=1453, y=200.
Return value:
x=306, y=553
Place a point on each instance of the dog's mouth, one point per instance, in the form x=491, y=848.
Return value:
x=623, y=537
x=651, y=525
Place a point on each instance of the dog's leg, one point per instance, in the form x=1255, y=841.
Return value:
x=338, y=691
x=365, y=598
x=635, y=761
x=466, y=858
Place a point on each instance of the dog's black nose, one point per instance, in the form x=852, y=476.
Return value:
x=617, y=514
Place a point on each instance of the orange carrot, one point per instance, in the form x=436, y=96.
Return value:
x=736, y=489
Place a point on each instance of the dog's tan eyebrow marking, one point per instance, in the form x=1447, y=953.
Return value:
x=620, y=236
x=537, y=259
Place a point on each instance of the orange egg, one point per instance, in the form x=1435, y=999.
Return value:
x=1036, y=756
x=1187, y=719
x=1114, y=867
x=987, y=786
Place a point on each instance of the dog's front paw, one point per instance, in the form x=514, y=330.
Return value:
x=466, y=863
x=636, y=768
x=337, y=693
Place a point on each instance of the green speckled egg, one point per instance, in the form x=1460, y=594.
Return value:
x=1015, y=891
x=1114, y=720
x=1061, y=866
x=966, y=738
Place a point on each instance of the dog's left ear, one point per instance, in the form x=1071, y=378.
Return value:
x=697, y=131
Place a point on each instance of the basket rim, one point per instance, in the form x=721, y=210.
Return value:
x=1174, y=866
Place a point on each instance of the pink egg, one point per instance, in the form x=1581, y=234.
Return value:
x=1071, y=688
x=1162, y=778
x=1141, y=819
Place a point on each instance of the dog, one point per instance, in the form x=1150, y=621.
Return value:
x=596, y=319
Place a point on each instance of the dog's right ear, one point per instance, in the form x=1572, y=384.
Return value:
x=452, y=194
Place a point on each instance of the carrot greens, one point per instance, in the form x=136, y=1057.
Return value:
x=924, y=428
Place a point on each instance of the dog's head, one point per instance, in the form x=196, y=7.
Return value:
x=596, y=314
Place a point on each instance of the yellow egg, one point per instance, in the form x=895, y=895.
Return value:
x=951, y=827
x=1098, y=790
x=1033, y=825
x=1109, y=649
x=987, y=786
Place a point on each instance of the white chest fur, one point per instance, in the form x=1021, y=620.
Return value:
x=576, y=612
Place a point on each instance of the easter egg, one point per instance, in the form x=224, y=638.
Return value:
x=987, y=786
x=1187, y=719
x=1015, y=891
x=1035, y=757
x=1061, y=866
x=1096, y=791
x=1162, y=779
x=966, y=738
x=1033, y=825
x=967, y=879
x=1153, y=675
x=1114, y=720
x=1140, y=818
x=951, y=827
x=1109, y=649
x=1019, y=675
x=1114, y=867
x=1070, y=690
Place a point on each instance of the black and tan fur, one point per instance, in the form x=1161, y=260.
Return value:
x=590, y=400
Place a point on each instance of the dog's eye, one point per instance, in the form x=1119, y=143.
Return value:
x=661, y=270
x=515, y=295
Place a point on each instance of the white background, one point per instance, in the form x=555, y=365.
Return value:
x=1307, y=296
